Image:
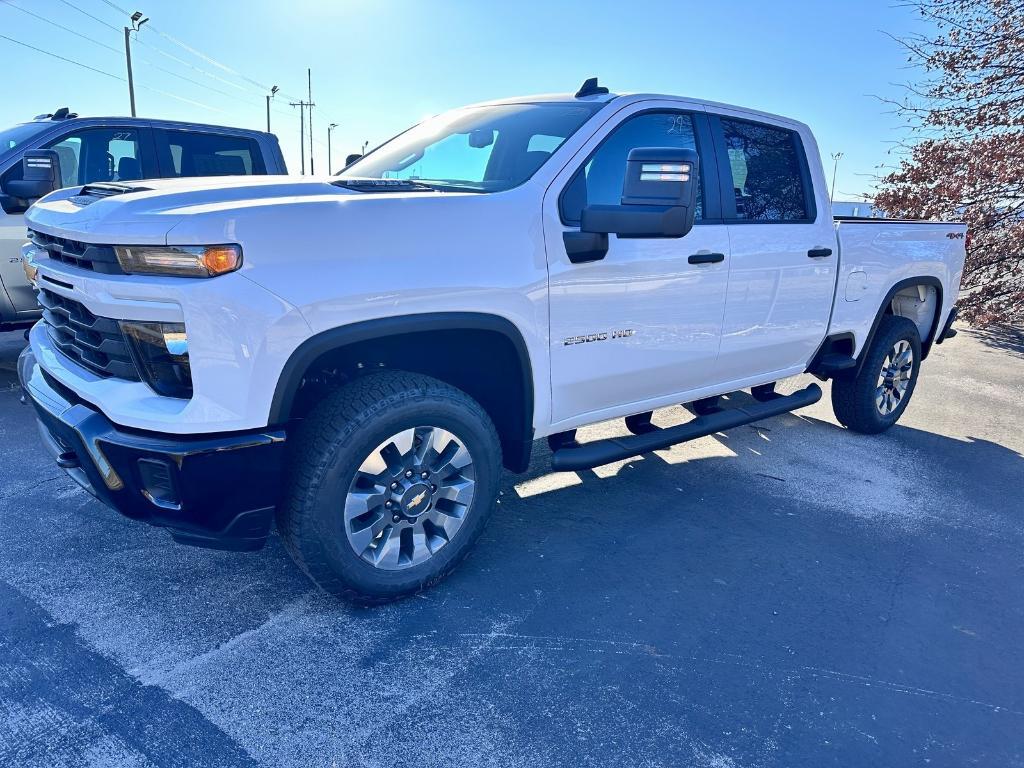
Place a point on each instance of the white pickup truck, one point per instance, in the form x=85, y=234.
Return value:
x=358, y=356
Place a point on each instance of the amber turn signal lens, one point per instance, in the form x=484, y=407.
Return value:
x=179, y=260
x=219, y=259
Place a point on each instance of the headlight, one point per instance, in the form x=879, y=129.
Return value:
x=179, y=260
x=161, y=354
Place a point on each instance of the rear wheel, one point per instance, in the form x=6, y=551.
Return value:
x=393, y=479
x=875, y=399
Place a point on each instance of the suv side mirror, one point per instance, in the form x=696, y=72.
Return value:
x=659, y=196
x=41, y=175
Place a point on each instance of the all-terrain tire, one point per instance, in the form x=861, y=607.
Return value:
x=333, y=441
x=855, y=400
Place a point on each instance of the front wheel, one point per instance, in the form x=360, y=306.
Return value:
x=877, y=396
x=393, y=479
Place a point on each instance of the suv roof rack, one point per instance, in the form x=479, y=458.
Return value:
x=590, y=88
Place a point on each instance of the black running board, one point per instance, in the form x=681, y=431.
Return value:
x=589, y=455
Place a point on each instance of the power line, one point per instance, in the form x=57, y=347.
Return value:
x=238, y=97
x=162, y=52
x=94, y=18
x=10, y=4
x=108, y=74
x=62, y=58
x=195, y=52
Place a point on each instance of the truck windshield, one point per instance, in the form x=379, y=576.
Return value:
x=18, y=134
x=476, y=149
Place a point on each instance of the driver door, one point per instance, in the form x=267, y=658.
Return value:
x=642, y=326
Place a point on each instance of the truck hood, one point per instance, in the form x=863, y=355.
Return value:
x=145, y=212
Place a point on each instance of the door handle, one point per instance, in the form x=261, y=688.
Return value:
x=706, y=258
x=819, y=253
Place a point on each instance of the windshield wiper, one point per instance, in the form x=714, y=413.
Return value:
x=447, y=186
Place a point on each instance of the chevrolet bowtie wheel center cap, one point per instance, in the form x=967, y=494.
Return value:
x=416, y=500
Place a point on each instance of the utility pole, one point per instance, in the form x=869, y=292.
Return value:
x=302, y=131
x=270, y=95
x=137, y=21
x=310, y=104
x=835, y=167
x=330, y=128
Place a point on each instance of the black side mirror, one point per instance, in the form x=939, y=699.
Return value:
x=659, y=196
x=41, y=175
x=349, y=159
x=659, y=199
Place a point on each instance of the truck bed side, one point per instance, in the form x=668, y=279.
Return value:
x=881, y=261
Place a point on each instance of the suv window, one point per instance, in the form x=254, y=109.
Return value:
x=210, y=154
x=600, y=179
x=99, y=154
x=767, y=173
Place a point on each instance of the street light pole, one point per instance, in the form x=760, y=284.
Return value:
x=270, y=95
x=330, y=128
x=137, y=21
x=835, y=167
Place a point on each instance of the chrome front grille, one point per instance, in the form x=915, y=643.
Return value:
x=94, y=342
x=97, y=258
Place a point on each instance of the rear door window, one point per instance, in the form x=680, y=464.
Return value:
x=768, y=176
x=187, y=153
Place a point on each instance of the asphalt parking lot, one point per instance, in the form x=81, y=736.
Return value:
x=787, y=594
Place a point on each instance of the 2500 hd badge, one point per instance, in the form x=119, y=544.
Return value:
x=603, y=336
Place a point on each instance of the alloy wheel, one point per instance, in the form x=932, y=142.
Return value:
x=409, y=497
x=894, y=378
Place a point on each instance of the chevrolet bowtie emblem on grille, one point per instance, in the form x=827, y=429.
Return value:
x=417, y=499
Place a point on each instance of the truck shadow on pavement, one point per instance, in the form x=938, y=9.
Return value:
x=814, y=585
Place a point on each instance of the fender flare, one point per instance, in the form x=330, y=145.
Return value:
x=926, y=343
x=335, y=338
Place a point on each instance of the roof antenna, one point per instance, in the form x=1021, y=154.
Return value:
x=590, y=88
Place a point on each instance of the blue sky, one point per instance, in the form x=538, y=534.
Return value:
x=379, y=66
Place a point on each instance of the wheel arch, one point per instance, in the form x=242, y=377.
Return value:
x=886, y=308
x=494, y=340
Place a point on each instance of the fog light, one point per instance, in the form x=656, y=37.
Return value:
x=161, y=355
x=158, y=483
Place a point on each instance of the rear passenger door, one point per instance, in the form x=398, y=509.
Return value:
x=185, y=153
x=782, y=270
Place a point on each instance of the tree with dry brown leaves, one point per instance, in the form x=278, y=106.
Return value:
x=966, y=160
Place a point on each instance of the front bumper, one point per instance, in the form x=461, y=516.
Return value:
x=216, y=491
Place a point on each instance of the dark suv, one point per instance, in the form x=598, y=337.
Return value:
x=98, y=149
